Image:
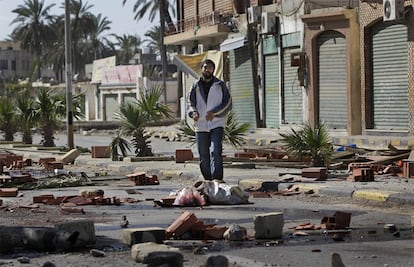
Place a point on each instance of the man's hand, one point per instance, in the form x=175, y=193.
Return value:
x=195, y=116
x=210, y=116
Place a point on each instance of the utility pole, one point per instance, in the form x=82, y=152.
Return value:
x=68, y=68
x=163, y=51
x=253, y=60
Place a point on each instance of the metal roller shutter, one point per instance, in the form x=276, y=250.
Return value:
x=332, y=80
x=241, y=85
x=389, y=76
x=272, y=93
x=292, y=97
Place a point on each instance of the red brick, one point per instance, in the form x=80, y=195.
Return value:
x=8, y=192
x=181, y=225
x=245, y=155
x=182, y=155
x=54, y=165
x=319, y=173
x=100, y=151
x=361, y=175
x=43, y=198
x=44, y=161
x=408, y=169
x=214, y=232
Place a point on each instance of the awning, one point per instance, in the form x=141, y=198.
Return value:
x=232, y=43
x=190, y=64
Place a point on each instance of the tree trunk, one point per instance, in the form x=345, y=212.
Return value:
x=48, y=135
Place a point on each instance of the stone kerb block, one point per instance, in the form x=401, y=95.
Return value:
x=85, y=228
x=140, y=252
x=268, y=225
x=134, y=236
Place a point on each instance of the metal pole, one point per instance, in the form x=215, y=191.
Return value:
x=68, y=68
x=163, y=51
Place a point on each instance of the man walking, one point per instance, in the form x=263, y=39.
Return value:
x=209, y=101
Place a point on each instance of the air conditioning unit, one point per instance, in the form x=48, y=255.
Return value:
x=393, y=9
x=253, y=14
x=215, y=17
x=268, y=23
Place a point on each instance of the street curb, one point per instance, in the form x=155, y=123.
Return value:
x=402, y=198
x=375, y=195
x=366, y=194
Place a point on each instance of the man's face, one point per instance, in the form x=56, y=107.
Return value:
x=207, y=71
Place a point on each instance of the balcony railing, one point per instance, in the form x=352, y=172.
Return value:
x=192, y=24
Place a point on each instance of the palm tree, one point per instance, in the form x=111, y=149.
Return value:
x=33, y=28
x=154, y=37
x=152, y=8
x=25, y=116
x=313, y=142
x=128, y=46
x=48, y=110
x=143, y=7
x=7, y=119
x=135, y=116
x=81, y=22
x=56, y=50
x=99, y=25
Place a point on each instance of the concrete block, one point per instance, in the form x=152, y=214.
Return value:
x=134, y=236
x=140, y=252
x=165, y=258
x=70, y=156
x=85, y=228
x=268, y=225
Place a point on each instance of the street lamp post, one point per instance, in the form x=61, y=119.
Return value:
x=68, y=68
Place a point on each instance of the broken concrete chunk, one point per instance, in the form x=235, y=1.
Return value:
x=70, y=156
x=140, y=252
x=268, y=225
x=38, y=238
x=165, y=258
x=134, y=236
x=235, y=233
x=85, y=228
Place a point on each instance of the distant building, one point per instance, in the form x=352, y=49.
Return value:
x=15, y=63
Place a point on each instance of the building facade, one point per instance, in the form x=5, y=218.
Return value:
x=347, y=63
x=15, y=63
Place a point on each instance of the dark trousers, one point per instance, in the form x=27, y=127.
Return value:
x=210, y=150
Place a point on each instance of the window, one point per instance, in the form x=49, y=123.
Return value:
x=4, y=64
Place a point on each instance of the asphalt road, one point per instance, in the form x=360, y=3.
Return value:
x=367, y=244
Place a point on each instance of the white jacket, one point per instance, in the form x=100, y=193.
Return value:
x=218, y=101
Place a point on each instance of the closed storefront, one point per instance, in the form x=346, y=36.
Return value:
x=292, y=91
x=389, y=77
x=271, y=92
x=332, y=91
x=241, y=85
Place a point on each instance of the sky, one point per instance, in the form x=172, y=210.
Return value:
x=122, y=17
